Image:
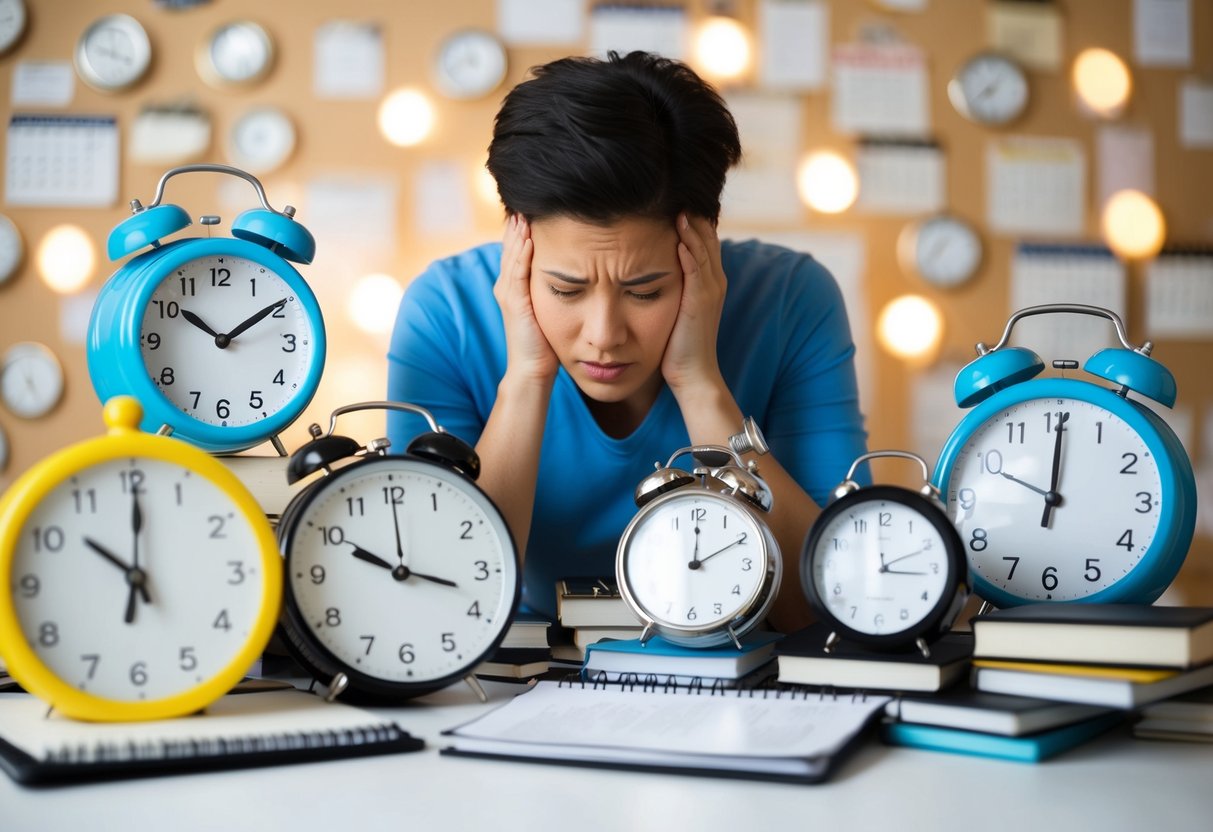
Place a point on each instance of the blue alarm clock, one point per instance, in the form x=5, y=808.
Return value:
x=1064, y=490
x=219, y=338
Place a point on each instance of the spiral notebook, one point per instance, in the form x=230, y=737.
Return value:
x=757, y=733
x=238, y=731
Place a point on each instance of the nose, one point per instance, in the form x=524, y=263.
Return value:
x=604, y=327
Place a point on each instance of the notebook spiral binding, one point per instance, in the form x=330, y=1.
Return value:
x=698, y=686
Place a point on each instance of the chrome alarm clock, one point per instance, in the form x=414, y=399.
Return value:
x=1064, y=489
x=219, y=338
x=401, y=574
x=883, y=564
x=698, y=564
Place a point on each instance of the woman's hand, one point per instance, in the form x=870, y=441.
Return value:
x=690, y=362
x=530, y=355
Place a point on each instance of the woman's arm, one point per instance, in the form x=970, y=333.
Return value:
x=712, y=415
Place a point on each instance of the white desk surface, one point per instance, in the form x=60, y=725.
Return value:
x=1112, y=783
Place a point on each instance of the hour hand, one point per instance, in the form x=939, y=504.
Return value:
x=363, y=554
x=198, y=322
x=107, y=554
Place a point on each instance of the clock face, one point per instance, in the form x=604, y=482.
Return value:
x=136, y=579
x=261, y=140
x=695, y=561
x=113, y=53
x=237, y=53
x=989, y=89
x=470, y=64
x=12, y=23
x=11, y=249
x=226, y=340
x=31, y=380
x=402, y=571
x=945, y=251
x=879, y=567
x=1055, y=516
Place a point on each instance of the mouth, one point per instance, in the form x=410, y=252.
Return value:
x=603, y=372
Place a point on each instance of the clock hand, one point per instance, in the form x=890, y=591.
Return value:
x=198, y=322
x=135, y=575
x=1026, y=485
x=740, y=538
x=1052, y=498
x=396, y=525
x=695, y=561
x=432, y=578
x=257, y=318
x=107, y=554
x=886, y=564
x=363, y=554
x=901, y=572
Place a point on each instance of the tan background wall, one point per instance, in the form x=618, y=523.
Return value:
x=340, y=137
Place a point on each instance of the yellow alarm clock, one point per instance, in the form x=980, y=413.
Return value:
x=141, y=579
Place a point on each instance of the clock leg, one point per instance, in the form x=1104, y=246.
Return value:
x=733, y=635
x=336, y=687
x=985, y=607
x=476, y=687
x=922, y=645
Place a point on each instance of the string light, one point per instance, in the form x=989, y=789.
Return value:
x=373, y=302
x=1102, y=82
x=406, y=117
x=1133, y=225
x=827, y=182
x=910, y=327
x=722, y=48
x=66, y=258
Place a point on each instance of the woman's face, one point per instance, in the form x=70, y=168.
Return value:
x=606, y=299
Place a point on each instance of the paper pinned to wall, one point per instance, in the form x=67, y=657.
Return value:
x=43, y=83
x=933, y=410
x=1195, y=113
x=663, y=30
x=442, y=199
x=1085, y=274
x=169, y=134
x=1028, y=31
x=1162, y=32
x=795, y=41
x=355, y=219
x=900, y=177
x=349, y=60
x=880, y=88
x=541, y=22
x=763, y=187
x=1124, y=158
x=61, y=161
x=1179, y=295
x=1036, y=185
x=75, y=311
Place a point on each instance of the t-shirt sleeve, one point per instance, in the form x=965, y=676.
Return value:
x=814, y=423
x=427, y=360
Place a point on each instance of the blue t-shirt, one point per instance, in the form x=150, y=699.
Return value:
x=784, y=348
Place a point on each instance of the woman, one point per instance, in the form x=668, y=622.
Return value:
x=611, y=327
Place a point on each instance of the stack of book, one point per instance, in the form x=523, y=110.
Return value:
x=1020, y=728
x=590, y=610
x=524, y=652
x=803, y=660
x=1115, y=655
x=660, y=662
x=1187, y=717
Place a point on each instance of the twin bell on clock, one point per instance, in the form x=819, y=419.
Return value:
x=219, y=338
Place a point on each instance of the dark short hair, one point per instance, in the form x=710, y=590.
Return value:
x=600, y=140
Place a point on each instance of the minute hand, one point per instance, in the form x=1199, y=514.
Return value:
x=740, y=539
x=257, y=318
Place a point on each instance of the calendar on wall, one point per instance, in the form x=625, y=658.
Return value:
x=61, y=161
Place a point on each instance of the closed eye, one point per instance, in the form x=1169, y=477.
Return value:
x=560, y=293
x=646, y=296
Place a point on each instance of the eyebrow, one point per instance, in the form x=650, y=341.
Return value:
x=582, y=281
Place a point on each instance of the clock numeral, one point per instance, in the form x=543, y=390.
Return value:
x=466, y=534
x=1092, y=572
x=223, y=408
x=1048, y=578
x=167, y=310
x=991, y=462
x=448, y=642
x=1011, y=426
x=93, y=660
x=1126, y=540
x=132, y=481
x=841, y=544
x=909, y=527
x=717, y=609
x=280, y=312
x=878, y=620
x=968, y=498
x=934, y=568
x=252, y=284
x=332, y=617
x=691, y=614
x=48, y=634
x=217, y=523
x=83, y=498
x=49, y=538
x=255, y=401
x=853, y=611
x=370, y=640
x=30, y=586
x=278, y=379
x=698, y=515
x=177, y=489
x=434, y=499
x=221, y=277
x=1014, y=564
x=885, y=519
x=861, y=526
x=317, y=573
x=393, y=495
x=1099, y=433
x=837, y=589
x=153, y=340
x=351, y=502
x=978, y=542
x=332, y=535
x=187, y=660
x=924, y=595
x=167, y=376
x=474, y=610
x=1147, y=502
x=746, y=564
x=736, y=589
x=197, y=394
x=138, y=674
x=222, y=622
x=290, y=342
x=1128, y=469
x=482, y=570
x=188, y=287
x=1063, y=416
x=237, y=576
x=406, y=654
